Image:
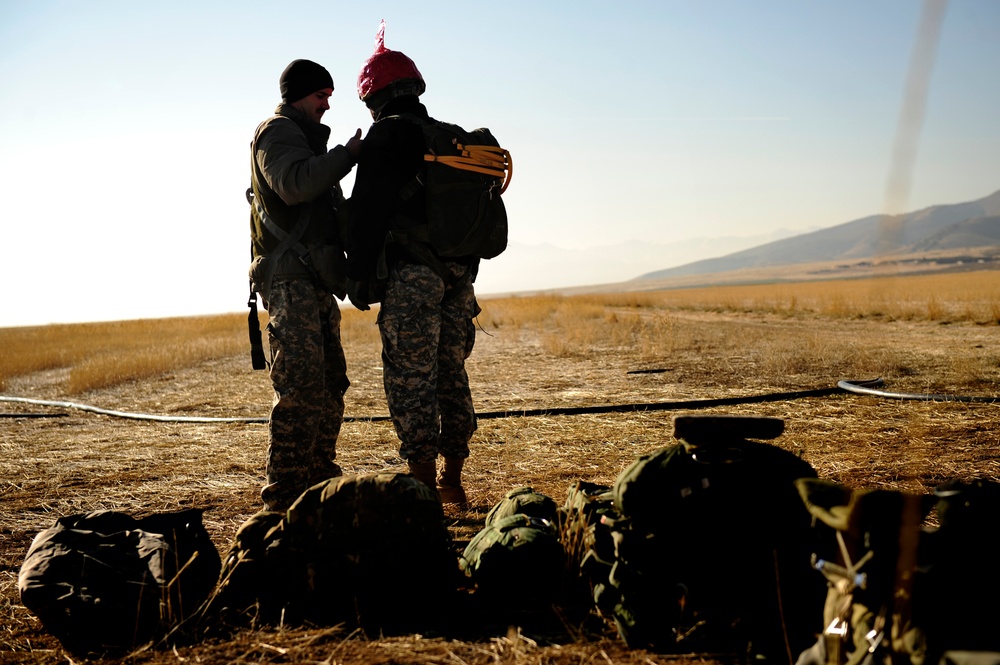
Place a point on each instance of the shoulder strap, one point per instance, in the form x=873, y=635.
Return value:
x=288, y=240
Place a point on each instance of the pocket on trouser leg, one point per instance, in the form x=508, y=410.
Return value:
x=470, y=337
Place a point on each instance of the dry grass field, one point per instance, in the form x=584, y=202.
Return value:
x=923, y=335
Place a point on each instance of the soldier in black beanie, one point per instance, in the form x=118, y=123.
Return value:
x=298, y=268
x=301, y=78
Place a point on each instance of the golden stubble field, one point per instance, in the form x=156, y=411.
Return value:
x=922, y=335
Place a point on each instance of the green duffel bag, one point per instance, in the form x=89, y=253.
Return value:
x=516, y=564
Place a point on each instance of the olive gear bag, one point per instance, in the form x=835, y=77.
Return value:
x=515, y=564
x=356, y=549
x=584, y=529
x=464, y=175
x=711, y=549
x=871, y=548
x=900, y=590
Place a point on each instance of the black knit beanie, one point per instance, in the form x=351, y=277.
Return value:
x=301, y=78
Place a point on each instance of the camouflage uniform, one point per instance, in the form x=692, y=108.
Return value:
x=427, y=333
x=309, y=375
x=429, y=303
x=291, y=169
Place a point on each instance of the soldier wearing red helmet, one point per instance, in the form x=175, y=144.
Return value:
x=427, y=303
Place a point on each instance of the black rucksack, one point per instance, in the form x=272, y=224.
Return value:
x=963, y=579
x=711, y=544
x=465, y=173
x=104, y=582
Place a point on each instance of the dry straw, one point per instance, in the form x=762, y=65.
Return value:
x=934, y=334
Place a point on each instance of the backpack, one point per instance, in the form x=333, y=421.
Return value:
x=963, y=578
x=362, y=550
x=901, y=591
x=515, y=565
x=464, y=175
x=584, y=527
x=104, y=582
x=872, y=550
x=251, y=578
x=710, y=544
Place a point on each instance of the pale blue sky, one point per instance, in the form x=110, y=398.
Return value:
x=125, y=126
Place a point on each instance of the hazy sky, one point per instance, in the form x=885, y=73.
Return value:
x=125, y=126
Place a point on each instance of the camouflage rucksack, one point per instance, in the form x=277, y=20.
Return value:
x=516, y=564
x=711, y=550
x=252, y=572
x=585, y=518
x=359, y=550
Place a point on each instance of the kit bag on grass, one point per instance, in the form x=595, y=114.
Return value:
x=105, y=582
x=711, y=544
x=251, y=583
x=585, y=519
x=873, y=551
x=464, y=174
x=362, y=550
x=515, y=564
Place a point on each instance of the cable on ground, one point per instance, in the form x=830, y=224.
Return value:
x=862, y=387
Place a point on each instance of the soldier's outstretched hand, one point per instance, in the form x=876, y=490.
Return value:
x=354, y=144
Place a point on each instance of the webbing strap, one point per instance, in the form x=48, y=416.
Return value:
x=257, y=359
x=486, y=159
x=287, y=240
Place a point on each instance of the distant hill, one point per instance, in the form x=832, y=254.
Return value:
x=967, y=232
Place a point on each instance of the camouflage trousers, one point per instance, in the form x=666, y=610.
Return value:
x=427, y=330
x=309, y=376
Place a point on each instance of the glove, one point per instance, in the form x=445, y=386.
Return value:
x=357, y=294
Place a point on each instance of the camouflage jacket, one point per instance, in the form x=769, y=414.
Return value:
x=291, y=167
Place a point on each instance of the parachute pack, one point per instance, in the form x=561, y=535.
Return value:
x=708, y=547
x=464, y=175
x=104, y=582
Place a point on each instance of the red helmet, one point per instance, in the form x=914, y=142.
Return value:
x=387, y=72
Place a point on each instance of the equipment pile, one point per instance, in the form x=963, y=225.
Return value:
x=720, y=543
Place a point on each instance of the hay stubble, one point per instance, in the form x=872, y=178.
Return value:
x=528, y=356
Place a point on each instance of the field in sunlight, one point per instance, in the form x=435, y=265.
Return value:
x=645, y=356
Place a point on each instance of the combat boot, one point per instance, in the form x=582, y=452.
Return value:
x=449, y=483
x=424, y=472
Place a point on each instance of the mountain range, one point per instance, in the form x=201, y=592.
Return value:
x=942, y=237
x=960, y=232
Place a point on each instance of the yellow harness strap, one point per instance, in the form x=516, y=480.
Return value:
x=487, y=159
